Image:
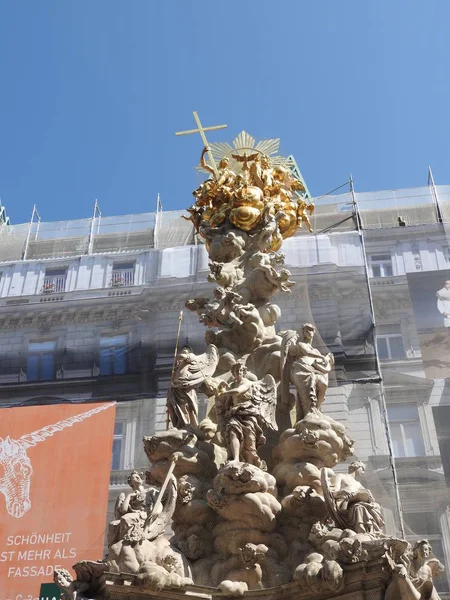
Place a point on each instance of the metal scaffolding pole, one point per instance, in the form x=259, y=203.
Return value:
x=435, y=194
x=392, y=464
x=96, y=215
x=158, y=216
x=34, y=214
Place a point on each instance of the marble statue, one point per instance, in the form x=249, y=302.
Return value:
x=414, y=580
x=244, y=408
x=131, y=510
x=350, y=503
x=190, y=372
x=307, y=368
x=443, y=302
x=245, y=503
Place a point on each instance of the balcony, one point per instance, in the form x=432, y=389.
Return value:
x=54, y=284
x=122, y=278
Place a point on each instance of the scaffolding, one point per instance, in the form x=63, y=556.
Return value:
x=100, y=234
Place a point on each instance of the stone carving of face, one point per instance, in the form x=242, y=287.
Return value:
x=135, y=480
x=425, y=549
x=357, y=467
x=239, y=371
x=219, y=293
x=308, y=332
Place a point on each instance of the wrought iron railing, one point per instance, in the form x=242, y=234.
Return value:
x=54, y=284
x=122, y=278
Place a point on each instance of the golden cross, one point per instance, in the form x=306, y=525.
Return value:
x=201, y=130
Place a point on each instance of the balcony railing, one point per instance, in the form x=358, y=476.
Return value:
x=54, y=284
x=122, y=278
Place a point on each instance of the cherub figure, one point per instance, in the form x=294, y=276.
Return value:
x=197, y=304
x=415, y=581
x=256, y=173
x=244, y=408
x=302, y=217
x=280, y=189
x=423, y=568
x=204, y=194
x=270, y=230
x=221, y=312
x=195, y=217
x=226, y=275
x=279, y=279
x=266, y=175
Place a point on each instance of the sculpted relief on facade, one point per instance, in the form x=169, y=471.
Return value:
x=250, y=492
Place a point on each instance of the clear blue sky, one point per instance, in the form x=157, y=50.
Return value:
x=92, y=92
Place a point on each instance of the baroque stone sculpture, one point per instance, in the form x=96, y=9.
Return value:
x=251, y=498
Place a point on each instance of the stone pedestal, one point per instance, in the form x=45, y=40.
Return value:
x=366, y=581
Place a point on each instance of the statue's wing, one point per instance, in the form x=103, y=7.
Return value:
x=330, y=500
x=208, y=361
x=157, y=526
x=265, y=394
x=120, y=500
x=437, y=568
x=195, y=373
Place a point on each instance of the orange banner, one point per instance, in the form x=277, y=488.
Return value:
x=54, y=478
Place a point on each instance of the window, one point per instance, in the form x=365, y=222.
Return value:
x=118, y=445
x=41, y=361
x=113, y=355
x=54, y=280
x=406, y=432
x=380, y=265
x=390, y=342
x=122, y=274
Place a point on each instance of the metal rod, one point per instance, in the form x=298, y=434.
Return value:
x=180, y=320
x=27, y=240
x=91, y=232
x=435, y=194
x=392, y=464
x=157, y=221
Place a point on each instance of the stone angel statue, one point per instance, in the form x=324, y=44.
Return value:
x=350, y=504
x=414, y=581
x=244, y=408
x=306, y=367
x=189, y=375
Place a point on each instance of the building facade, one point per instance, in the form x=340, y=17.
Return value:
x=90, y=311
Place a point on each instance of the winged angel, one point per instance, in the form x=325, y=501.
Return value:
x=191, y=370
x=243, y=410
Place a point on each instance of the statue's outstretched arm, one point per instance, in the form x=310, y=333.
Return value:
x=203, y=162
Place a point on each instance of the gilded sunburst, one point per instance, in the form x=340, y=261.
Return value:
x=242, y=144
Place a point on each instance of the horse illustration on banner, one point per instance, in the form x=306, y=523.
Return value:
x=15, y=483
